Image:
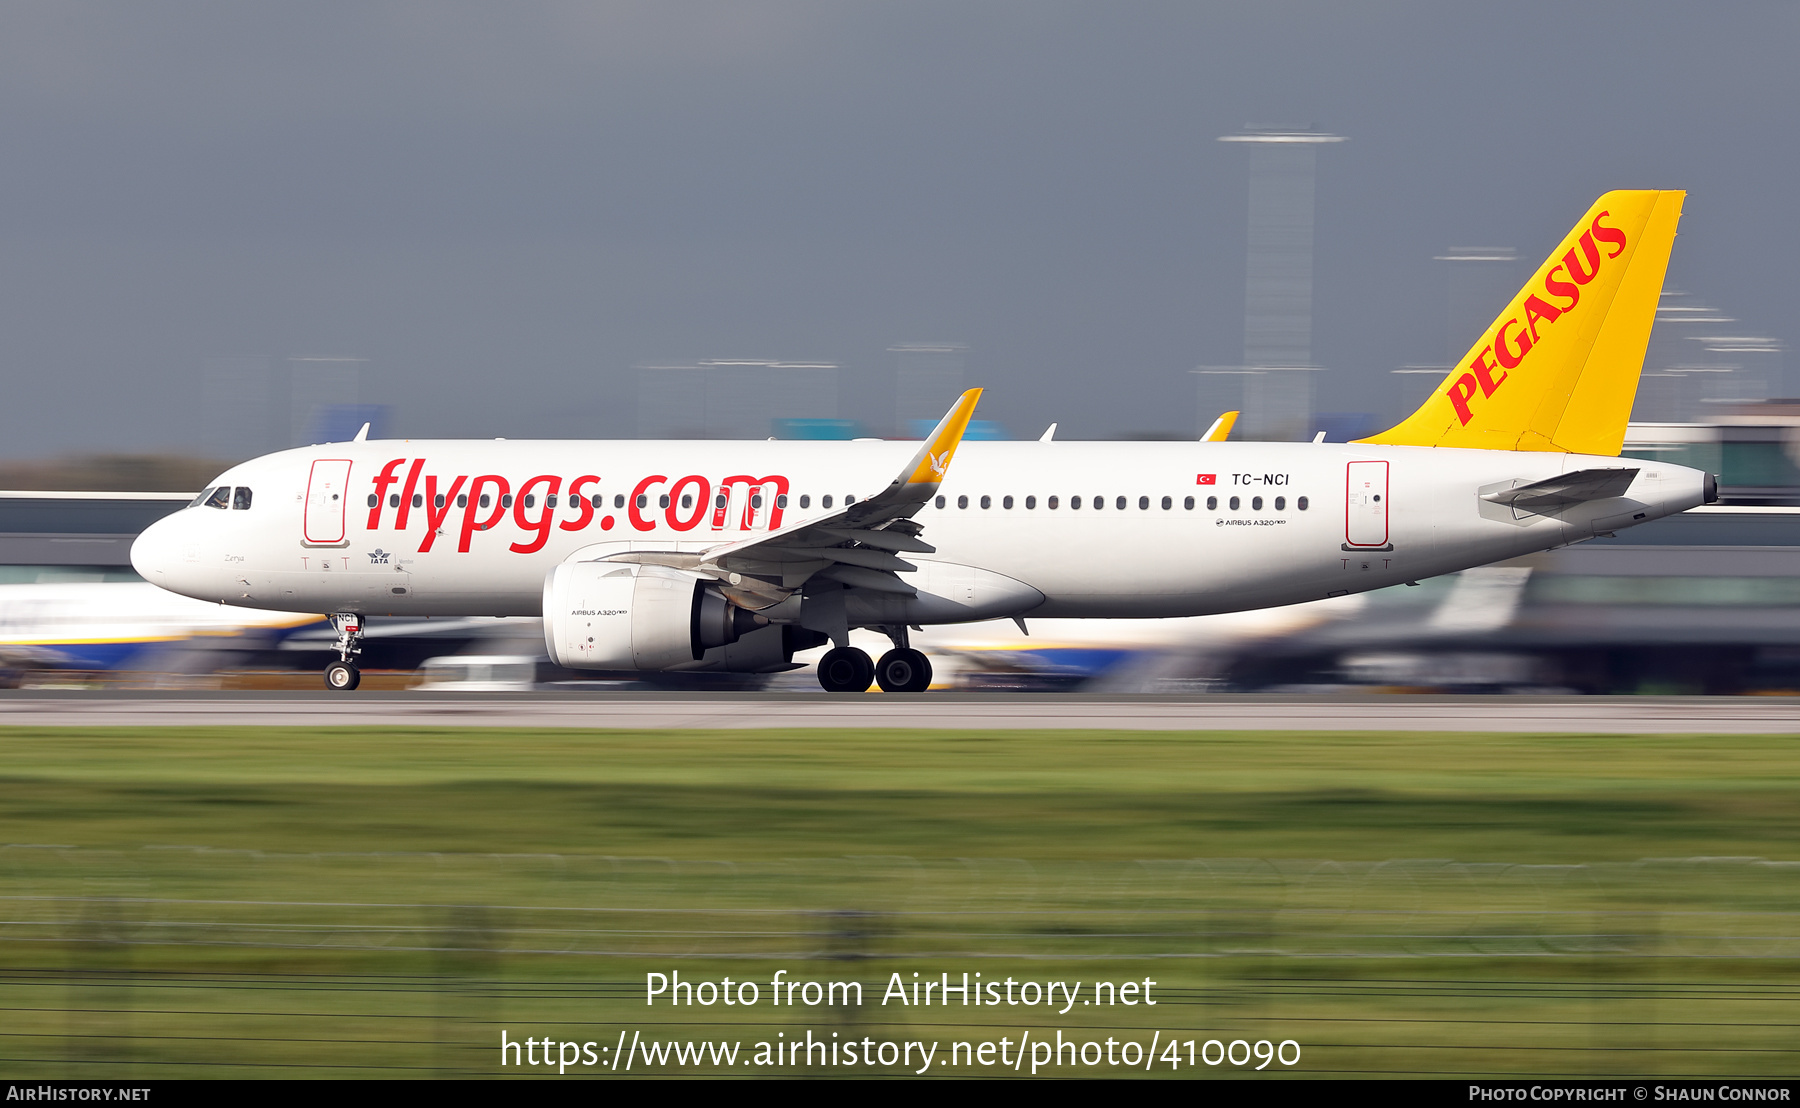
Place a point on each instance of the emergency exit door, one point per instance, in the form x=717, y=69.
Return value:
x=1366, y=504
x=326, y=491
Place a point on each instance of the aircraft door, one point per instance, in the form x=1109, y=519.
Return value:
x=327, y=490
x=1366, y=505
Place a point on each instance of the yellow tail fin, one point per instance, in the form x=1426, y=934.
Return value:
x=1559, y=369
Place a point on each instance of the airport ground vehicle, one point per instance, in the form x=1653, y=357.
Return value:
x=734, y=555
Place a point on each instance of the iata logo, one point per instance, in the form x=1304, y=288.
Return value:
x=1514, y=340
x=379, y=557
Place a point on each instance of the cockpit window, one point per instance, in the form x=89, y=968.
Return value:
x=240, y=498
x=200, y=497
x=219, y=497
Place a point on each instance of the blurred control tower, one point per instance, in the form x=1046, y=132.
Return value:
x=1278, y=365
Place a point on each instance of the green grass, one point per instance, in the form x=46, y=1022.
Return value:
x=243, y=888
x=1061, y=795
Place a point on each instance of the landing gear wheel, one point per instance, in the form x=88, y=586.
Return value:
x=845, y=669
x=342, y=676
x=903, y=671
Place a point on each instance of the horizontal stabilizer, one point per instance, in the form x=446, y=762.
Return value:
x=1578, y=487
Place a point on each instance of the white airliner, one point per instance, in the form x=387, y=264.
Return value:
x=734, y=555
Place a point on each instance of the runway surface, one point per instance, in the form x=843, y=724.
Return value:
x=640, y=711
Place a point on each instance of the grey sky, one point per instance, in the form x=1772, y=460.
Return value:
x=504, y=207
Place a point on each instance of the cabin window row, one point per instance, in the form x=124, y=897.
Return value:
x=1123, y=503
x=216, y=498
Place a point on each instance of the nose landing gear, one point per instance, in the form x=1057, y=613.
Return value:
x=343, y=674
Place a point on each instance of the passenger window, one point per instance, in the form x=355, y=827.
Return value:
x=462, y=500
x=1121, y=504
x=1144, y=503
x=418, y=500
x=755, y=502
x=220, y=498
x=662, y=501
x=596, y=500
x=374, y=500
x=962, y=502
x=1006, y=503
x=780, y=500
x=850, y=499
x=438, y=502
x=1030, y=502
x=987, y=502
x=643, y=501
x=1099, y=503
x=1074, y=503
x=1233, y=503
x=618, y=500
x=1050, y=503
x=1300, y=503
x=484, y=500
x=1188, y=503
x=825, y=501
x=1212, y=503
x=1256, y=503
x=1167, y=504
x=940, y=502
x=393, y=500
x=531, y=500
x=240, y=499
x=1280, y=503
x=505, y=500
x=806, y=501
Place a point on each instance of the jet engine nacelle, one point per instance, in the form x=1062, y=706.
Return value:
x=612, y=615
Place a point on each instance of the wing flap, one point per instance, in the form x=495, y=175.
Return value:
x=872, y=579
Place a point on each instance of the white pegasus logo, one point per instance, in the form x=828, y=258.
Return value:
x=938, y=462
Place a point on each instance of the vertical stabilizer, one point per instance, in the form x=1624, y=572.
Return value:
x=1559, y=369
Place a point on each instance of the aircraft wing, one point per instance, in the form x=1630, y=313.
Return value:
x=857, y=545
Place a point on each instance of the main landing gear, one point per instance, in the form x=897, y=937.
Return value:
x=343, y=674
x=900, y=670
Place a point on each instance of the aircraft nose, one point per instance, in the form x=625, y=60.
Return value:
x=153, y=552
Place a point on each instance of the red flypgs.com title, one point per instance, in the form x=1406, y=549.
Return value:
x=683, y=504
x=1578, y=267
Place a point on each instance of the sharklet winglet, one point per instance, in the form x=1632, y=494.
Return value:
x=932, y=462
